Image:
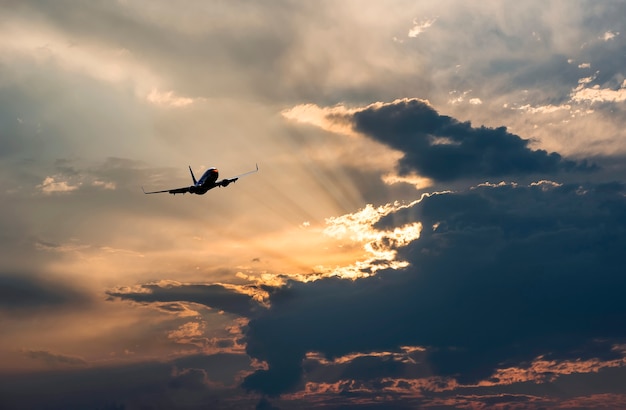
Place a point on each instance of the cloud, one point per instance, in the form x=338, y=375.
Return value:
x=33, y=39
x=22, y=292
x=444, y=149
x=420, y=26
x=53, y=184
x=332, y=119
x=108, y=175
x=493, y=293
x=501, y=276
x=544, y=109
x=380, y=245
x=192, y=379
x=63, y=184
x=55, y=359
x=168, y=99
x=231, y=299
x=609, y=35
x=195, y=381
x=104, y=184
x=438, y=147
x=596, y=94
x=541, y=370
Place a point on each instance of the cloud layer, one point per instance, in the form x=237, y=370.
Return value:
x=506, y=284
x=503, y=275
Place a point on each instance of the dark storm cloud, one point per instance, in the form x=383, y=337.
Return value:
x=499, y=276
x=187, y=383
x=445, y=149
x=193, y=379
x=214, y=296
x=24, y=292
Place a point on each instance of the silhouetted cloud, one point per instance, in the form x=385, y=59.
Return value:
x=220, y=297
x=189, y=382
x=499, y=276
x=193, y=379
x=444, y=149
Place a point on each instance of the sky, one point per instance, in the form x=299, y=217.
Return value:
x=438, y=220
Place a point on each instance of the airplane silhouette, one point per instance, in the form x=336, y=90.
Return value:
x=207, y=181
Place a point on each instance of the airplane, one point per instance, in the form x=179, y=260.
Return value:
x=207, y=181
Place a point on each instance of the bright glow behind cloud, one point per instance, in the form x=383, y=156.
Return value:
x=380, y=244
x=331, y=119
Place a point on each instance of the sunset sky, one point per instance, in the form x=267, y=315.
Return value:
x=438, y=220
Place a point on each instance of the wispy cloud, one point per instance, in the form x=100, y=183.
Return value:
x=169, y=99
x=105, y=184
x=609, y=35
x=55, y=359
x=229, y=298
x=544, y=109
x=419, y=26
x=73, y=175
x=542, y=370
x=45, y=44
x=54, y=184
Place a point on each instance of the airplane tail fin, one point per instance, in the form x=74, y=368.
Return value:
x=193, y=176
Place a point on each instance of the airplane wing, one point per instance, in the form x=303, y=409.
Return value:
x=226, y=181
x=171, y=191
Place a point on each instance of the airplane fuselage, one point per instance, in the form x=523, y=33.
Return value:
x=206, y=182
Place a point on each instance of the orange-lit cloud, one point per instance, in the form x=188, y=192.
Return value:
x=169, y=99
x=53, y=184
x=542, y=370
x=605, y=401
x=596, y=94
